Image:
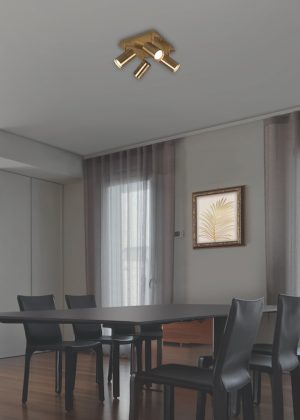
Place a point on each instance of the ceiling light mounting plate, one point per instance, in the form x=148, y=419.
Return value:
x=136, y=43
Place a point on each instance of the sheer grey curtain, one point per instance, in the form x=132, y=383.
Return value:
x=129, y=208
x=282, y=163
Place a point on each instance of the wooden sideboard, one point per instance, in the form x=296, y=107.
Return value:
x=193, y=332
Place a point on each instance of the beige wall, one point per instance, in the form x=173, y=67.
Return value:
x=74, y=244
x=221, y=158
x=74, y=239
x=47, y=239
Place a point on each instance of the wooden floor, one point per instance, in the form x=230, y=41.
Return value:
x=44, y=404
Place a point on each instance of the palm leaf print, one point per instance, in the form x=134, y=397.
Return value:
x=217, y=222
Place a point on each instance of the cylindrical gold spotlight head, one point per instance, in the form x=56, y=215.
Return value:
x=153, y=51
x=142, y=69
x=124, y=58
x=170, y=63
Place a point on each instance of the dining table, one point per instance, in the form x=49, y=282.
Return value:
x=133, y=316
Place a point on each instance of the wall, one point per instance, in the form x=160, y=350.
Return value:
x=221, y=158
x=74, y=244
x=74, y=239
x=47, y=239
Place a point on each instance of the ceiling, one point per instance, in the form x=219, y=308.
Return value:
x=58, y=84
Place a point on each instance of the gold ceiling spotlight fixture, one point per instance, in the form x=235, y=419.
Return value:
x=148, y=44
x=153, y=51
x=124, y=58
x=142, y=68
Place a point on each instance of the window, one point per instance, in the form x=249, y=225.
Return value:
x=128, y=248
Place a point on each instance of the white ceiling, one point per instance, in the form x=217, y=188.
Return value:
x=58, y=84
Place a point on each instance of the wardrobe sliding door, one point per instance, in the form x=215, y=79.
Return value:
x=15, y=255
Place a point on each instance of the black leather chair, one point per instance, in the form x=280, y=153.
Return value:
x=281, y=357
x=48, y=337
x=119, y=337
x=149, y=333
x=263, y=349
x=145, y=334
x=230, y=372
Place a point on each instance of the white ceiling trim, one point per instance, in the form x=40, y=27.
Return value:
x=196, y=132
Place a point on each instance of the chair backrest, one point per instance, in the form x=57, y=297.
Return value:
x=84, y=331
x=40, y=334
x=232, y=363
x=287, y=333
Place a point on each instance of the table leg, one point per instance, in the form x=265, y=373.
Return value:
x=110, y=366
x=218, y=329
x=169, y=402
x=116, y=370
x=139, y=355
x=148, y=357
x=159, y=351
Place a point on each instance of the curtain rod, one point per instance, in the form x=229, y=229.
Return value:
x=195, y=132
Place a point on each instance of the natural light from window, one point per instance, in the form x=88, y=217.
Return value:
x=129, y=251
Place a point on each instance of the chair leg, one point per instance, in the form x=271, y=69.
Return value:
x=116, y=370
x=147, y=354
x=132, y=359
x=74, y=368
x=234, y=404
x=58, y=371
x=277, y=396
x=148, y=358
x=201, y=403
x=168, y=402
x=205, y=362
x=159, y=351
x=99, y=372
x=220, y=404
x=295, y=378
x=139, y=351
x=256, y=379
x=28, y=355
x=110, y=366
x=134, y=398
x=248, y=410
x=69, y=379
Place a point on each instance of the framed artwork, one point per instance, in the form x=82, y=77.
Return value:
x=218, y=218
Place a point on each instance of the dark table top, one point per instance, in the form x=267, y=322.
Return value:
x=130, y=315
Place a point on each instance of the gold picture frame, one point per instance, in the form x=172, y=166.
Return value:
x=218, y=217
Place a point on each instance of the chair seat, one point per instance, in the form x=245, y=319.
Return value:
x=144, y=329
x=120, y=339
x=262, y=362
x=263, y=348
x=181, y=376
x=267, y=349
x=154, y=335
x=74, y=345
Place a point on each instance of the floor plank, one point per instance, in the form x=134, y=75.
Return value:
x=44, y=404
